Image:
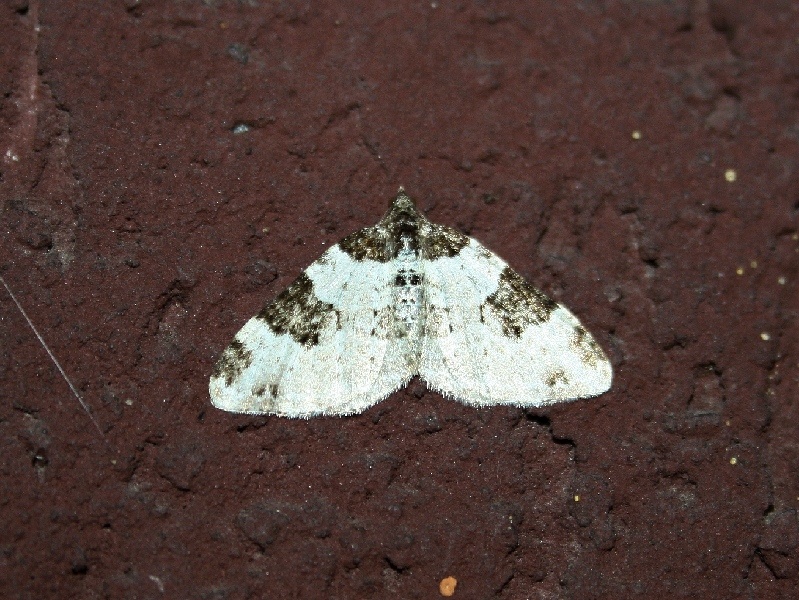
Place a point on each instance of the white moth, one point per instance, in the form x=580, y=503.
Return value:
x=407, y=297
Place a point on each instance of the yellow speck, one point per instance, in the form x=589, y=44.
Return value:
x=739, y=270
x=795, y=236
x=753, y=264
x=636, y=135
x=727, y=422
x=765, y=336
x=734, y=460
x=576, y=498
x=730, y=175
x=447, y=586
x=781, y=280
x=265, y=230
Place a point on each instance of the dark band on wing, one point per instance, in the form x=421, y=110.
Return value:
x=235, y=359
x=298, y=312
x=402, y=225
x=517, y=304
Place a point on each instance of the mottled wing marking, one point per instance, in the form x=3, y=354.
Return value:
x=442, y=242
x=557, y=376
x=586, y=346
x=298, y=312
x=384, y=241
x=518, y=304
x=233, y=361
x=369, y=243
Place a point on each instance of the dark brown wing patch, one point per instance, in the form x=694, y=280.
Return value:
x=518, y=304
x=235, y=359
x=440, y=242
x=298, y=312
x=403, y=227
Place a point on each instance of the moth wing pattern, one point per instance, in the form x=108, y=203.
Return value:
x=323, y=346
x=492, y=338
x=401, y=298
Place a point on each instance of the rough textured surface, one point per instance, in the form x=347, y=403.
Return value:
x=166, y=167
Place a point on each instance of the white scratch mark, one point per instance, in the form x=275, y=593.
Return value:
x=52, y=357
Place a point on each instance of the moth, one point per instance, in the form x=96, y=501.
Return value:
x=403, y=298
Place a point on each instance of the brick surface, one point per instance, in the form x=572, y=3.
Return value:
x=166, y=167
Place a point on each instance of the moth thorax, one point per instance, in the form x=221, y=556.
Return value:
x=407, y=294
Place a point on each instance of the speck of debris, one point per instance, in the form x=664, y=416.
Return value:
x=447, y=586
x=239, y=52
